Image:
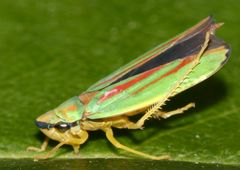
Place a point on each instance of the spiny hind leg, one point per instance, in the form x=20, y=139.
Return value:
x=109, y=134
x=42, y=148
x=166, y=115
x=123, y=122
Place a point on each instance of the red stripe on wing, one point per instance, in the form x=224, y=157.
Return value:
x=133, y=67
x=178, y=67
x=122, y=87
x=201, y=26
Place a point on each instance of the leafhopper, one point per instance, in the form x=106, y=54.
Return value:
x=140, y=87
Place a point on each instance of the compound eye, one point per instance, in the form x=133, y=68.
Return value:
x=62, y=126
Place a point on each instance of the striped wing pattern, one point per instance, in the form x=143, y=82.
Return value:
x=147, y=79
x=134, y=66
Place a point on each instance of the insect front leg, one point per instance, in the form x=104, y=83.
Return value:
x=166, y=115
x=109, y=134
x=76, y=148
x=42, y=148
x=82, y=135
x=46, y=156
x=80, y=138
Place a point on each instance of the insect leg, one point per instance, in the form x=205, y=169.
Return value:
x=124, y=122
x=36, y=158
x=83, y=135
x=131, y=125
x=166, y=115
x=76, y=148
x=42, y=148
x=110, y=137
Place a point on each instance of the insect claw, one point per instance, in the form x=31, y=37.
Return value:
x=36, y=158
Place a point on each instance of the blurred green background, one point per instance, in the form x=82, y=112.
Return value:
x=51, y=50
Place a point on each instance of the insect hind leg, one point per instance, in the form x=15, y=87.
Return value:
x=109, y=134
x=166, y=115
x=124, y=122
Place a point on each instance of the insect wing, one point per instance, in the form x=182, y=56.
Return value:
x=134, y=67
x=212, y=61
x=151, y=80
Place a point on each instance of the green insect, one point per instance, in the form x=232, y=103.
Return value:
x=140, y=87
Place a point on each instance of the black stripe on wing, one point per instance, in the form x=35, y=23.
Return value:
x=181, y=50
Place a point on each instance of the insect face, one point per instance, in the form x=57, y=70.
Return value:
x=57, y=123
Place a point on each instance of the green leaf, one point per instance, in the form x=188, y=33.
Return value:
x=53, y=50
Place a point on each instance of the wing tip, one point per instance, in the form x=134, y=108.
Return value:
x=226, y=46
x=227, y=54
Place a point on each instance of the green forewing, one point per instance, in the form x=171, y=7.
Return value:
x=201, y=26
x=141, y=84
x=209, y=64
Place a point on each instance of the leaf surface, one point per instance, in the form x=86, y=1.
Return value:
x=53, y=50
